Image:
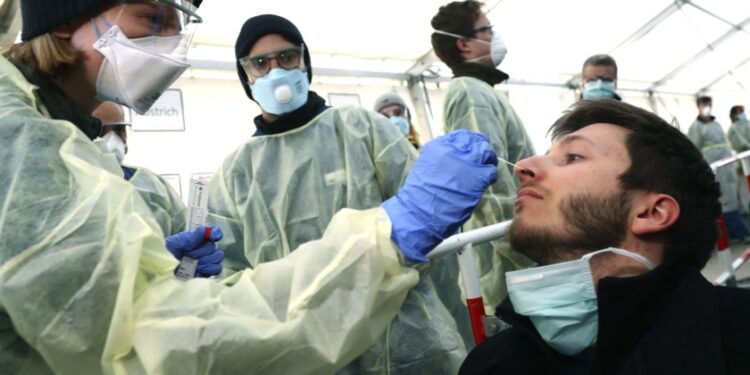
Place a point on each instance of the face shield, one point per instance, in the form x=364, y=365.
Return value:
x=145, y=45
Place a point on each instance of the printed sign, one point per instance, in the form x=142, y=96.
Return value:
x=166, y=114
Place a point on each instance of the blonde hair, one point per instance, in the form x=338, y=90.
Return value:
x=45, y=54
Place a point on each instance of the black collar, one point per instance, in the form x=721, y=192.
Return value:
x=60, y=106
x=482, y=72
x=710, y=119
x=631, y=308
x=314, y=106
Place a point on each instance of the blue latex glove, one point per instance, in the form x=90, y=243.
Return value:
x=441, y=191
x=195, y=245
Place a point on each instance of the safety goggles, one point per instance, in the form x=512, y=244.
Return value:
x=154, y=20
x=483, y=29
x=118, y=127
x=602, y=78
x=394, y=111
x=288, y=58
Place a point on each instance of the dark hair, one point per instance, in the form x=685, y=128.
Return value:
x=600, y=59
x=703, y=100
x=736, y=110
x=663, y=160
x=459, y=18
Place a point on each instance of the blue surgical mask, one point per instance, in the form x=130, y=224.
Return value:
x=281, y=91
x=402, y=123
x=560, y=300
x=599, y=90
x=742, y=117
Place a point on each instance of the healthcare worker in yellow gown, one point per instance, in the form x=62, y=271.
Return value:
x=465, y=40
x=86, y=279
x=305, y=162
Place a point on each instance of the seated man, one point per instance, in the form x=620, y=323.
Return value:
x=620, y=215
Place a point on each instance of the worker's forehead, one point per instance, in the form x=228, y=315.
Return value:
x=391, y=107
x=598, y=70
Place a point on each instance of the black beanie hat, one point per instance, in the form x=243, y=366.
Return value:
x=258, y=27
x=42, y=16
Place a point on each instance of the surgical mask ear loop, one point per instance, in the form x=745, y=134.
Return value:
x=624, y=253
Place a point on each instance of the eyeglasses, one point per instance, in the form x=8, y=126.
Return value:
x=396, y=111
x=602, y=78
x=259, y=66
x=483, y=29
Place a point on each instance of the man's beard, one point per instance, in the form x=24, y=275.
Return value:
x=589, y=223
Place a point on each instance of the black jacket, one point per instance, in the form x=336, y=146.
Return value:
x=668, y=321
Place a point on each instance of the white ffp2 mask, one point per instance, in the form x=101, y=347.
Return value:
x=115, y=146
x=135, y=72
x=498, y=50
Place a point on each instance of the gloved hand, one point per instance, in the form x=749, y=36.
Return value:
x=195, y=245
x=441, y=191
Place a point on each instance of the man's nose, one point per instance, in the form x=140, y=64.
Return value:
x=525, y=168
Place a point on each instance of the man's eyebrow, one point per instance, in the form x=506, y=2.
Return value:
x=570, y=138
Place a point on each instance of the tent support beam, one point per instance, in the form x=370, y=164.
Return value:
x=718, y=79
x=423, y=63
x=422, y=106
x=701, y=53
x=638, y=34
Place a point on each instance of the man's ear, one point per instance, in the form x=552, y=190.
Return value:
x=463, y=45
x=653, y=213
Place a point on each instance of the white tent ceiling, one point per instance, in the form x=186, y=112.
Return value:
x=660, y=45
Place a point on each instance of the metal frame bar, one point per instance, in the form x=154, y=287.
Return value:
x=710, y=47
x=422, y=105
x=638, y=34
x=718, y=79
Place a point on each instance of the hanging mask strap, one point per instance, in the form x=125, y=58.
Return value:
x=624, y=253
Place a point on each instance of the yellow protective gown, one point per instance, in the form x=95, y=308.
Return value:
x=739, y=135
x=163, y=201
x=87, y=286
x=277, y=191
x=474, y=105
x=709, y=138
